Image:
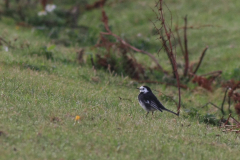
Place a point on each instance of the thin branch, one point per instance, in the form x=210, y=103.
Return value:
x=179, y=40
x=168, y=34
x=7, y=43
x=211, y=104
x=159, y=50
x=186, y=58
x=229, y=104
x=213, y=77
x=224, y=101
x=164, y=42
x=235, y=120
x=216, y=73
x=227, y=119
x=200, y=60
x=170, y=15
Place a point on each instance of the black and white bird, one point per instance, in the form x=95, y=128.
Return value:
x=149, y=101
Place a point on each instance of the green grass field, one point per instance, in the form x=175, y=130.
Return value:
x=40, y=97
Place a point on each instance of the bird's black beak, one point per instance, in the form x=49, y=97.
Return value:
x=137, y=88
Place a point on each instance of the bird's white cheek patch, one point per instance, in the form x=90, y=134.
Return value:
x=144, y=90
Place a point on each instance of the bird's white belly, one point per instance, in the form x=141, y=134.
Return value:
x=145, y=108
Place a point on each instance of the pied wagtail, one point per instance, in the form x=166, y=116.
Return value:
x=149, y=101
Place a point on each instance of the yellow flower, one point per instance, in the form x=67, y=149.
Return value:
x=77, y=118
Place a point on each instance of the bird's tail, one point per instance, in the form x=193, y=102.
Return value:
x=171, y=111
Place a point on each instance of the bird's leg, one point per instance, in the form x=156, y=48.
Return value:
x=147, y=114
x=152, y=114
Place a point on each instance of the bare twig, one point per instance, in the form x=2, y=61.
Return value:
x=224, y=101
x=229, y=104
x=212, y=105
x=231, y=128
x=235, y=120
x=221, y=109
x=213, y=76
x=170, y=15
x=164, y=42
x=227, y=120
x=97, y=4
x=200, y=60
x=186, y=49
x=216, y=73
x=179, y=41
x=7, y=43
x=170, y=51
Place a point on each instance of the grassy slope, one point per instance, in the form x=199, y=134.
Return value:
x=110, y=128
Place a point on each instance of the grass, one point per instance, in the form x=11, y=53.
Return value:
x=39, y=97
x=38, y=113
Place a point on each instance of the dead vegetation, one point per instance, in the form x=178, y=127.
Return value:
x=97, y=4
x=233, y=127
x=121, y=50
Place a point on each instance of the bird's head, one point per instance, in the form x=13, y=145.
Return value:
x=144, y=89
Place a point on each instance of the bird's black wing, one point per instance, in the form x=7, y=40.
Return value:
x=147, y=101
x=154, y=105
x=152, y=101
x=156, y=102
